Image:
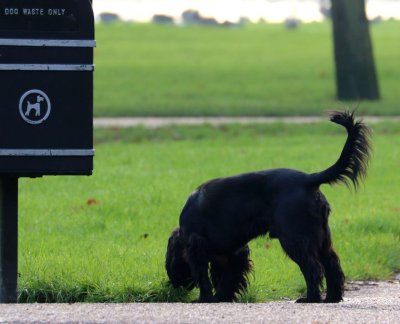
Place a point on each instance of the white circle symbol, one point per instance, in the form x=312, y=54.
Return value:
x=34, y=106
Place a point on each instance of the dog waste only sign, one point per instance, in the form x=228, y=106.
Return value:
x=46, y=78
x=34, y=107
x=43, y=15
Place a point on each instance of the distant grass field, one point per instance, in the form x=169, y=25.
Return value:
x=103, y=238
x=261, y=69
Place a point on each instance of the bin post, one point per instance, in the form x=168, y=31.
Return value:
x=8, y=239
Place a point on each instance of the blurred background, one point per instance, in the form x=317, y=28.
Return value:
x=245, y=57
x=234, y=10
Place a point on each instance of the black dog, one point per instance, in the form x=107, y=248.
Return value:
x=223, y=215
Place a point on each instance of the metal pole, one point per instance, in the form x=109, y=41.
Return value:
x=8, y=239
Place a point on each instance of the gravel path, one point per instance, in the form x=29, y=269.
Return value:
x=153, y=122
x=365, y=302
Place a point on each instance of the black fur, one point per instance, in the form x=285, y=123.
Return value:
x=223, y=215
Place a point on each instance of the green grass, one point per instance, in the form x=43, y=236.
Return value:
x=261, y=69
x=103, y=238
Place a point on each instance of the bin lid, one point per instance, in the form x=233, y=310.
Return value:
x=46, y=19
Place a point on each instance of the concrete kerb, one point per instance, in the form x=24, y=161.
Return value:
x=154, y=122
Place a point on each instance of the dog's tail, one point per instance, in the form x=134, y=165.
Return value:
x=351, y=167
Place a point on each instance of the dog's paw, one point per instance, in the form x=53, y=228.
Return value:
x=223, y=299
x=333, y=300
x=306, y=300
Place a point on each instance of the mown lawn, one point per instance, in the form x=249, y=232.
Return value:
x=103, y=238
x=260, y=69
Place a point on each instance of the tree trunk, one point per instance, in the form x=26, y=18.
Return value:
x=355, y=70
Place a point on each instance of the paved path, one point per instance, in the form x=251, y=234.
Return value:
x=365, y=302
x=164, y=121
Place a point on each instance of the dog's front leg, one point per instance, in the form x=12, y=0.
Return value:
x=229, y=274
x=205, y=286
x=198, y=257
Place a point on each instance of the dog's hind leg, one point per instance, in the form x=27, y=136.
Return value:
x=199, y=257
x=229, y=274
x=302, y=253
x=333, y=273
x=330, y=261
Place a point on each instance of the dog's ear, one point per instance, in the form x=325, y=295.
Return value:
x=177, y=267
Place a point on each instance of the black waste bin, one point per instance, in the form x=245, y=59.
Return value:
x=46, y=87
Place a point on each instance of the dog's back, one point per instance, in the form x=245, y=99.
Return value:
x=231, y=211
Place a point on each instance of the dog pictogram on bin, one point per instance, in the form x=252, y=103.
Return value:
x=34, y=107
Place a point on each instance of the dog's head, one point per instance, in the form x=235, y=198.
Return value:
x=176, y=264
